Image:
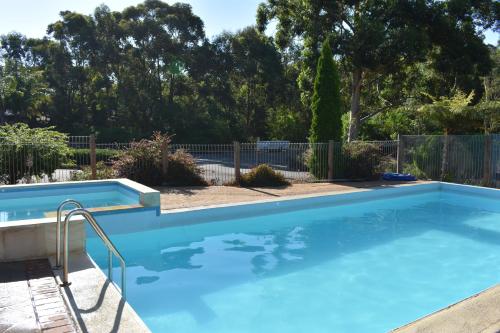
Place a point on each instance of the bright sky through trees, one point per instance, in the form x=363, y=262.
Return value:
x=31, y=17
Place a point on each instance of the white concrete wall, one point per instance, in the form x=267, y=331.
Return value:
x=37, y=240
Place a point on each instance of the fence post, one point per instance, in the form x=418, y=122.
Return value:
x=487, y=160
x=237, y=161
x=93, y=159
x=330, y=160
x=400, y=154
x=164, y=158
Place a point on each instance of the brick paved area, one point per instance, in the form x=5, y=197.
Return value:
x=30, y=299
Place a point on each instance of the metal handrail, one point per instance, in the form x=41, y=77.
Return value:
x=58, y=227
x=111, y=248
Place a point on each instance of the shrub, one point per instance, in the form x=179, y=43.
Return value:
x=142, y=162
x=264, y=176
x=102, y=172
x=30, y=152
x=317, y=160
x=182, y=170
x=364, y=160
x=83, y=155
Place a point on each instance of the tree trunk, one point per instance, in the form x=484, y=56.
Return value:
x=357, y=78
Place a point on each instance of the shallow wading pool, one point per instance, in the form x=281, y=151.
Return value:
x=359, y=262
x=27, y=202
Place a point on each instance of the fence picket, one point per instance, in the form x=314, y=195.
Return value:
x=471, y=159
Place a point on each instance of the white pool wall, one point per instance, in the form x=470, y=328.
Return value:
x=36, y=238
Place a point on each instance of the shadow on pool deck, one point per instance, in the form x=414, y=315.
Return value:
x=183, y=197
x=98, y=305
x=30, y=299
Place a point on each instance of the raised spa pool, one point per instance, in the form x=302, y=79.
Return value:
x=38, y=201
x=362, y=262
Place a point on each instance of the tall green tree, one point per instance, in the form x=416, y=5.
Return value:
x=326, y=104
x=378, y=38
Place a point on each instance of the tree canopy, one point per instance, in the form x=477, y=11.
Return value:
x=125, y=74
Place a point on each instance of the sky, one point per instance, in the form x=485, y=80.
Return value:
x=31, y=17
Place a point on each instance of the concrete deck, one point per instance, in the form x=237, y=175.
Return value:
x=185, y=197
x=478, y=313
x=31, y=301
x=95, y=303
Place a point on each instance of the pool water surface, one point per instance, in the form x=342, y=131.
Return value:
x=369, y=266
x=35, y=202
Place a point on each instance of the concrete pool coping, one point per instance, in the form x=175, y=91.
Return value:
x=299, y=196
x=35, y=238
x=451, y=315
x=96, y=304
x=148, y=197
x=477, y=313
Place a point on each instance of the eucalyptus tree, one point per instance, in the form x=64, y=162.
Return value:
x=256, y=77
x=375, y=38
x=24, y=93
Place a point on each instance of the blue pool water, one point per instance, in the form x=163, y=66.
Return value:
x=369, y=266
x=21, y=203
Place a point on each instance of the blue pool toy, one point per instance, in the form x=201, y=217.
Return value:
x=398, y=176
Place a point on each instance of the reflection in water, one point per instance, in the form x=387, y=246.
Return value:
x=180, y=258
x=146, y=279
x=184, y=280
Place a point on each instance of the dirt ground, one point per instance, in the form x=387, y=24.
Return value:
x=183, y=197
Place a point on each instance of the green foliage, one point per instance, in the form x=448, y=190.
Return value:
x=37, y=152
x=426, y=158
x=377, y=39
x=82, y=155
x=317, y=160
x=363, y=160
x=447, y=111
x=102, y=172
x=151, y=68
x=326, y=113
x=183, y=170
x=142, y=162
x=263, y=176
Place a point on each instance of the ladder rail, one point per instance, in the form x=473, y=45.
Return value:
x=107, y=242
x=58, y=227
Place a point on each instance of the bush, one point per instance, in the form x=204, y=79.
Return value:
x=263, y=176
x=142, y=162
x=80, y=155
x=102, y=172
x=364, y=160
x=317, y=160
x=31, y=152
x=182, y=170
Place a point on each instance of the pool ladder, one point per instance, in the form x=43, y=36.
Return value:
x=79, y=210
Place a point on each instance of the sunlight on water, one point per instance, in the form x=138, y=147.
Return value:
x=366, y=267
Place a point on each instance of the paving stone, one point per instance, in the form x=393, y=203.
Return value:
x=30, y=299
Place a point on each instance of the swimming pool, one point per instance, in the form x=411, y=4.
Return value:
x=37, y=201
x=358, y=262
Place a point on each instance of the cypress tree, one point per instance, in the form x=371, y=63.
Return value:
x=326, y=112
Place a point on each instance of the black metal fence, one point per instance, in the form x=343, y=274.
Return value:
x=467, y=159
x=470, y=159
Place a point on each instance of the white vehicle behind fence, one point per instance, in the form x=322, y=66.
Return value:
x=272, y=145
